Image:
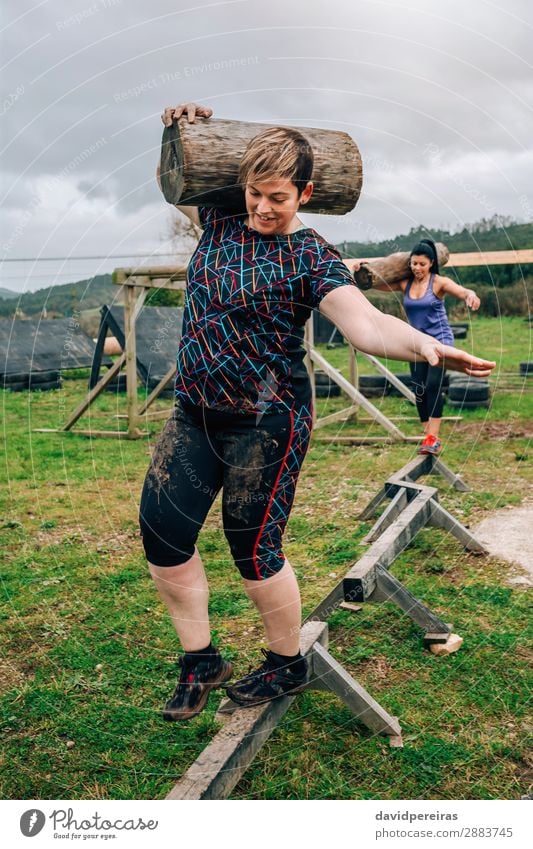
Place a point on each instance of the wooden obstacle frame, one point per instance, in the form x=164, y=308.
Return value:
x=221, y=765
x=137, y=282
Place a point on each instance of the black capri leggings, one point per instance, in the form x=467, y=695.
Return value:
x=427, y=386
x=255, y=460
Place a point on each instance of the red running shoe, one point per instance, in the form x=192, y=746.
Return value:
x=430, y=445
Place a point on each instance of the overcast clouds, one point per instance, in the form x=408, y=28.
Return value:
x=438, y=96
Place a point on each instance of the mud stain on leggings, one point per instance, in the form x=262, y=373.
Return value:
x=245, y=484
x=174, y=439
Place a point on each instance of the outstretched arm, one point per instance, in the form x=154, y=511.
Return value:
x=374, y=332
x=446, y=286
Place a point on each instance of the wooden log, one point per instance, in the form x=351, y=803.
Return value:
x=200, y=163
x=391, y=269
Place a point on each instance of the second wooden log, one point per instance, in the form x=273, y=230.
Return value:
x=391, y=269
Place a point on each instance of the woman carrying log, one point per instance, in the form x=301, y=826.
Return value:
x=423, y=300
x=243, y=417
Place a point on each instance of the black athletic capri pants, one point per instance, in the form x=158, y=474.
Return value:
x=254, y=459
x=427, y=383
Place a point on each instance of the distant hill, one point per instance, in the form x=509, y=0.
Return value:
x=495, y=234
x=63, y=300
x=8, y=293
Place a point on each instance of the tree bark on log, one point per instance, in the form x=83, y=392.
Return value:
x=200, y=163
x=391, y=269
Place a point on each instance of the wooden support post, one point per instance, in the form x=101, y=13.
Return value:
x=389, y=588
x=423, y=464
x=158, y=389
x=331, y=676
x=326, y=607
x=355, y=395
x=390, y=514
x=360, y=581
x=132, y=304
x=348, y=414
x=440, y=518
x=439, y=468
x=94, y=392
x=391, y=377
x=375, y=502
x=354, y=377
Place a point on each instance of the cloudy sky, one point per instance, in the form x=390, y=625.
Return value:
x=436, y=93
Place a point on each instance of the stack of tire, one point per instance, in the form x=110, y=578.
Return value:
x=468, y=393
x=459, y=330
x=374, y=385
x=118, y=384
x=41, y=380
x=167, y=392
x=325, y=386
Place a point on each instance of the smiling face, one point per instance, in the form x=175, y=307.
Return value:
x=420, y=266
x=272, y=204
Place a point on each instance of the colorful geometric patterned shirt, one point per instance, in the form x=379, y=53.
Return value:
x=247, y=300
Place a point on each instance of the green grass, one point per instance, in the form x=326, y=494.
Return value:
x=88, y=651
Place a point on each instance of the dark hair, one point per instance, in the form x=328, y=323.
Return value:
x=426, y=247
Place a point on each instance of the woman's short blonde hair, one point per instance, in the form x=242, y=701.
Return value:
x=276, y=153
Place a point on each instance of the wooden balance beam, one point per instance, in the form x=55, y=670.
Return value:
x=412, y=507
x=221, y=765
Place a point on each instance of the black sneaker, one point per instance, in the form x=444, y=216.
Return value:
x=268, y=682
x=196, y=681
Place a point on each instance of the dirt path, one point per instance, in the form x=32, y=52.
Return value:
x=508, y=534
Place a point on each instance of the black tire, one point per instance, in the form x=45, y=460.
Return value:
x=374, y=385
x=325, y=387
x=37, y=378
x=17, y=387
x=460, y=332
x=468, y=392
x=18, y=377
x=469, y=405
x=118, y=384
x=372, y=381
x=526, y=368
x=321, y=378
x=328, y=392
x=167, y=392
x=44, y=387
x=407, y=381
x=456, y=377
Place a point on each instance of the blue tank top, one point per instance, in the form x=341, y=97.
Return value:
x=428, y=313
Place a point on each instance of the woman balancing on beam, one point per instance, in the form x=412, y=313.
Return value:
x=423, y=301
x=242, y=419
